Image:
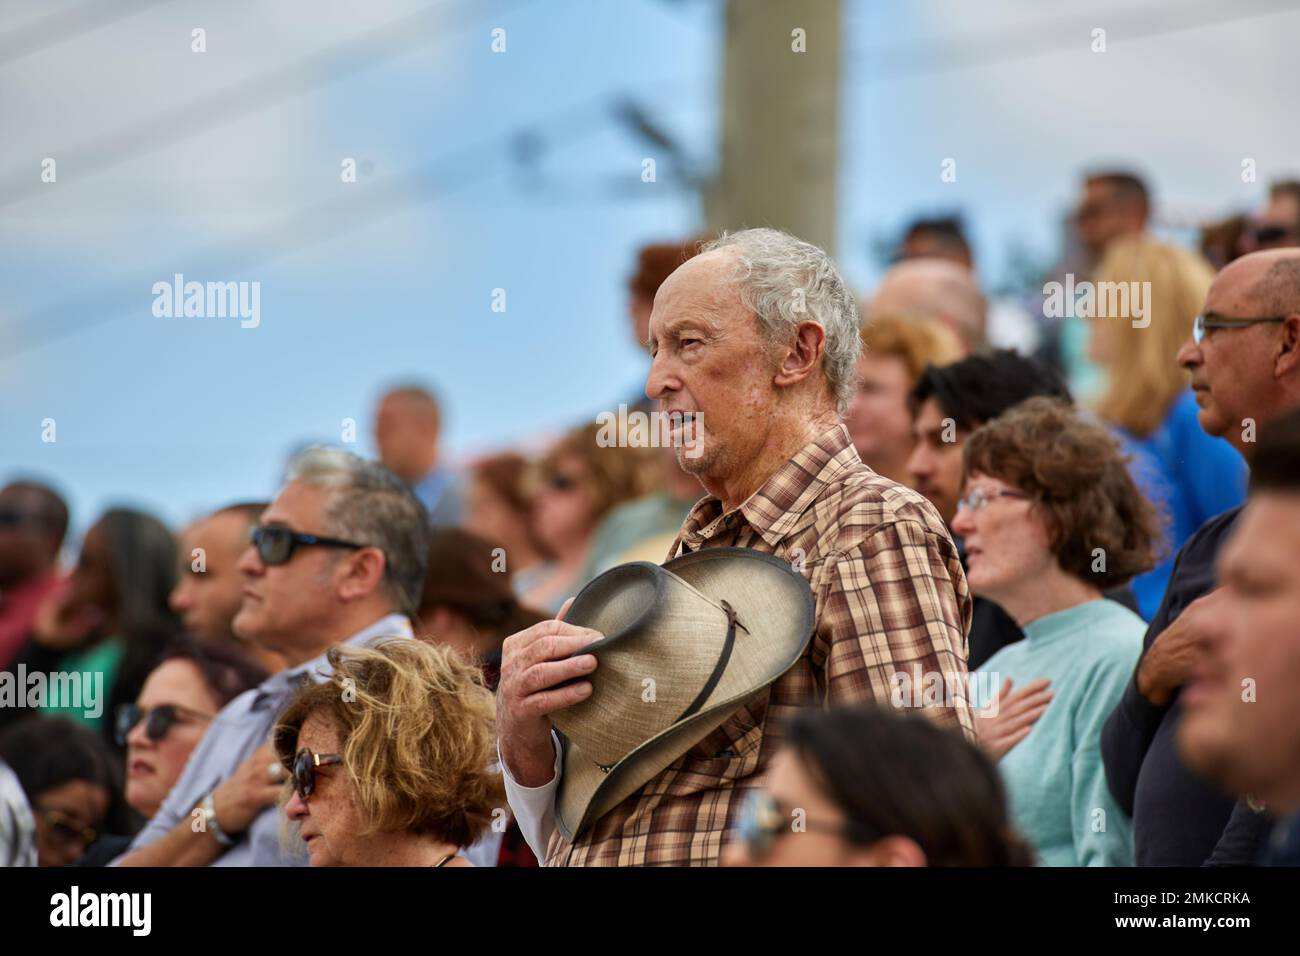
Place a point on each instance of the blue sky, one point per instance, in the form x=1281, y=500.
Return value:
x=184, y=415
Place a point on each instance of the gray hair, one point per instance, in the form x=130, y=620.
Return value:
x=1277, y=292
x=785, y=281
x=370, y=505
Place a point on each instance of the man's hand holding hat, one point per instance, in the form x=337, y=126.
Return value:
x=533, y=662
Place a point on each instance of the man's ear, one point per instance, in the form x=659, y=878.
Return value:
x=1286, y=354
x=803, y=356
x=362, y=574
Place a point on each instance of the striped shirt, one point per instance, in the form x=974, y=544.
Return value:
x=890, y=597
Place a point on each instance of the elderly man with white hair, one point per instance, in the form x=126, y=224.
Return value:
x=755, y=342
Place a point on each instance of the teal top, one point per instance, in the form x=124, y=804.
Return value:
x=92, y=672
x=1054, y=777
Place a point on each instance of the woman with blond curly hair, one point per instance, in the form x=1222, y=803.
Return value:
x=389, y=758
x=1189, y=475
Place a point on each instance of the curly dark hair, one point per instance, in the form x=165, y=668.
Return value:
x=1081, y=482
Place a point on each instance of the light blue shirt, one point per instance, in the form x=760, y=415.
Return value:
x=442, y=494
x=1055, y=780
x=240, y=728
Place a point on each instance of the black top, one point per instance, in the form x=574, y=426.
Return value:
x=991, y=629
x=1178, y=819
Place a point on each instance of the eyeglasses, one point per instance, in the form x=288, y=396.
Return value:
x=64, y=829
x=763, y=821
x=977, y=498
x=1269, y=234
x=16, y=518
x=304, y=769
x=157, y=722
x=1209, y=321
x=562, y=482
x=277, y=545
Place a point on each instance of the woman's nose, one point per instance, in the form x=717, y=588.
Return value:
x=296, y=807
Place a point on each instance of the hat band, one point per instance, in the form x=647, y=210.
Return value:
x=718, y=668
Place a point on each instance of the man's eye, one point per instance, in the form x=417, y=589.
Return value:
x=689, y=342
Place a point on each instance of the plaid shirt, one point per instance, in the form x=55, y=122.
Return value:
x=890, y=596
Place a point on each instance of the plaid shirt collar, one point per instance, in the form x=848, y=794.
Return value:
x=773, y=510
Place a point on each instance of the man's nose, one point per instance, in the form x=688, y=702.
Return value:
x=918, y=463
x=661, y=380
x=1189, y=354
x=250, y=563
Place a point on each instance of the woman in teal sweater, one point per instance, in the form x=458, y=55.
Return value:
x=1051, y=519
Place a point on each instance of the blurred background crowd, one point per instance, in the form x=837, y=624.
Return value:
x=517, y=532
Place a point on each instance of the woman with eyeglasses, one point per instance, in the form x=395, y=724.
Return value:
x=1051, y=519
x=160, y=729
x=875, y=787
x=579, y=483
x=389, y=757
x=178, y=701
x=72, y=785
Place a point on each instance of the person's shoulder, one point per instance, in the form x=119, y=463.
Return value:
x=1210, y=534
x=636, y=510
x=1117, y=624
x=234, y=714
x=1113, y=641
x=865, y=500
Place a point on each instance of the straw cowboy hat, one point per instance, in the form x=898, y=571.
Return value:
x=685, y=646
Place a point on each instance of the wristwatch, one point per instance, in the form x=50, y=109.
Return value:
x=208, y=806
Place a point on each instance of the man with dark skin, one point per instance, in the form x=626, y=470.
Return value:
x=33, y=523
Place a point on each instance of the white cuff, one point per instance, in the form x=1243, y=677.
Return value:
x=534, y=807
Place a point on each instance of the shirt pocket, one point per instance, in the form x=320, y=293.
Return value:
x=731, y=750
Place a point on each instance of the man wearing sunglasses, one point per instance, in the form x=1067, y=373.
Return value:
x=1244, y=358
x=1278, y=224
x=33, y=521
x=337, y=557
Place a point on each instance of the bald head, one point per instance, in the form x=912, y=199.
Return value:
x=936, y=289
x=1246, y=375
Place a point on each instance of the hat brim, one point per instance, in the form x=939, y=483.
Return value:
x=776, y=607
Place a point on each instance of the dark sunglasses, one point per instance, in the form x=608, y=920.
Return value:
x=64, y=829
x=16, y=518
x=304, y=769
x=277, y=545
x=1273, y=233
x=763, y=822
x=562, y=482
x=157, y=722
